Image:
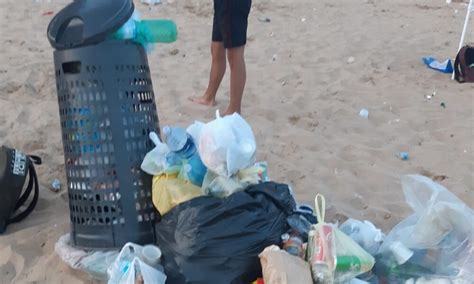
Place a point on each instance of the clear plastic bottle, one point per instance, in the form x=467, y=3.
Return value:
x=183, y=149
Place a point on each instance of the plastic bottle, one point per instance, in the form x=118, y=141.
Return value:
x=293, y=244
x=183, y=149
x=148, y=31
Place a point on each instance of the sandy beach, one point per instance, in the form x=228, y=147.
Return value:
x=311, y=69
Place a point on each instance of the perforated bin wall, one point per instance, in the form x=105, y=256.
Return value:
x=107, y=110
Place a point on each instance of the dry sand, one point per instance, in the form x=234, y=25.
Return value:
x=302, y=99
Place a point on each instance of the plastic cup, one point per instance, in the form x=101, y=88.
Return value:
x=151, y=255
x=401, y=252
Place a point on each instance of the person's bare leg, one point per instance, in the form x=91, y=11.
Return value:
x=238, y=77
x=218, y=66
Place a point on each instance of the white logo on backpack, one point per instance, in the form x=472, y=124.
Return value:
x=19, y=163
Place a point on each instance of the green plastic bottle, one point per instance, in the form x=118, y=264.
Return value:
x=156, y=31
x=148, y=31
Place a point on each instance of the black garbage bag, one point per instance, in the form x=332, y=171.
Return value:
x=213, y=240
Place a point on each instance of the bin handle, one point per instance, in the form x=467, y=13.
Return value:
x=86, y=13
x=55, y=31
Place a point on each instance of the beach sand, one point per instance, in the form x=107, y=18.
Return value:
x=310, y=71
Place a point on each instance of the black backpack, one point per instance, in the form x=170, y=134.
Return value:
x=14, y=168
x=464, y=65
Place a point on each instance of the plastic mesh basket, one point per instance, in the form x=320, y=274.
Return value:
x=107, y=110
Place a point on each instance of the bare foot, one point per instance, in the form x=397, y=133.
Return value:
x=229, y=112
x=203, y=101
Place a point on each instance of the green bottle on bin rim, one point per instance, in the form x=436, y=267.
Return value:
x=148, y=31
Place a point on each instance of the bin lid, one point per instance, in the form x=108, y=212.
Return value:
x=86, y=22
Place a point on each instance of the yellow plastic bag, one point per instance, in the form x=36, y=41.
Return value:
x=169, y=191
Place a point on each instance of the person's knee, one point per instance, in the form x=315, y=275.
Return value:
x=217, y=52
x=235, y=56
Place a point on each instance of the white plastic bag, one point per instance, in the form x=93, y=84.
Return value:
x=129, y=268
x=195, y=131
x=227, y=144
x=437, y=239
x=364, y=233
x=155, y=162
x=142, y=273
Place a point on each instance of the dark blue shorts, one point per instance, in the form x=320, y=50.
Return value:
x=230, y=22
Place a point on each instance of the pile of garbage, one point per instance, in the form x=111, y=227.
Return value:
x=222, y=219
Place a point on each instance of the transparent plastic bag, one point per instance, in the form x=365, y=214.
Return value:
x=155, y=162
x=129, y=268
x=221, y=186
x=70, y=255
x=333, y=256
x=94, y=263
x=142, y=273
x=227, y=145
x=435, y=241
x=97, y=263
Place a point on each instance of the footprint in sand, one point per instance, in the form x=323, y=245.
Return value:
x=358, y=202
x=11, y=264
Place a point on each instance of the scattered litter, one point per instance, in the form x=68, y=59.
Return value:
x=404, y=156
x=271, y=34
x=303, y=19
x=56, y=185
x=49, y=13
x=436, y=241
x=364, y=113
x=264, y=19
x=443, y=105
x=350, y=60
x=274, y=57
x=429, y=97
x=445, y=67
x=283, y=83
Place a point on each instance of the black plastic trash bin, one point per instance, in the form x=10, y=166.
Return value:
x=107, y=110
